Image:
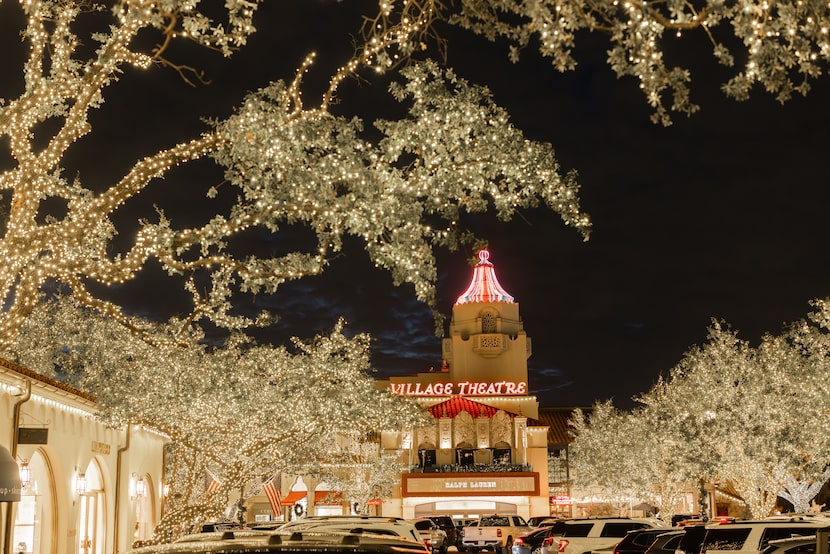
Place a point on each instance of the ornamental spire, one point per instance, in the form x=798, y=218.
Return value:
x=484, y=287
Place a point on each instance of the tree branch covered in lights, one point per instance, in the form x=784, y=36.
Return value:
x=778, y=45
x=454, y=153
x=242, y=412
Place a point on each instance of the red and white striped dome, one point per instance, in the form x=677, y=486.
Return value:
x=484, y=287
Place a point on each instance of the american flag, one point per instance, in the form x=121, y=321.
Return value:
x=274, y=497
x=214, y=484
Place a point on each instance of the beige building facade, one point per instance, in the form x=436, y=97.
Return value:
x=87, y=488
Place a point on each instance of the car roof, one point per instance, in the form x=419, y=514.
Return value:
x=325, y=542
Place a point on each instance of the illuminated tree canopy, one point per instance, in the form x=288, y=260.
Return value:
x=753, y=417
x=454, y=152
x=243, y=412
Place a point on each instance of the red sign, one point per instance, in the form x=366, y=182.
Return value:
x=561, y=500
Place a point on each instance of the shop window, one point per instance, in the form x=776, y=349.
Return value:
x=466, y=457
x=501, y=456
x=427, y=458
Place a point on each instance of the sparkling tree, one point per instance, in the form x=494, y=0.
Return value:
x=753, y=417
x=780, y=45
x=644, y=464
x=453, y=153
x=240, y=413
x=598, y=468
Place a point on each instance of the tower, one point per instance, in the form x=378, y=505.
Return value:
x=487, y=341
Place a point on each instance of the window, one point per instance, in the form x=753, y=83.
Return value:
x=465, y=457
x=614, y=529
x=501, y=455
x=488, y=322
x=725, y=539
x=577, y=530
x=427, y=458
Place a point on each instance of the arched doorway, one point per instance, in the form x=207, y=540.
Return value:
x=34, y=521
x=92, y=531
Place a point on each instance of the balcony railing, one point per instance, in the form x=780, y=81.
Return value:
x=472, y=468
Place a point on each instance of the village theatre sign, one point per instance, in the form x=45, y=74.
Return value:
x=479, y=484
x=464, y=388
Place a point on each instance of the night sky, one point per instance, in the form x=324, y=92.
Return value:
x=721, y=215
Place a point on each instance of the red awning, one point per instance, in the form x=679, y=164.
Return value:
x=323, y=498
x=375, y=502
x=292, y=498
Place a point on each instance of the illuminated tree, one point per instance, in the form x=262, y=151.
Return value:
x=780, y=45
x=753, y=417
x=598, y=468
x=360, y=469
x=454, y=152
x=241, y=412
x=629, y=457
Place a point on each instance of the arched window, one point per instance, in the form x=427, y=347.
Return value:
x=92, y=530
x=488, y=321
x=35, y=517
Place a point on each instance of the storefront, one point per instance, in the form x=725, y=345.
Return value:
x=76, y=474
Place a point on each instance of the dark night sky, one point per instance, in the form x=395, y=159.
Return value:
x=720, y=215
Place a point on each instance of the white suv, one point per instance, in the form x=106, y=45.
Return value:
x=751, y=537
x=374, y=525
x=583, y=535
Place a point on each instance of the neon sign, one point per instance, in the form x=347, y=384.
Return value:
x=466, y=388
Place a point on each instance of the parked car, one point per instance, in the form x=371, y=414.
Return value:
x=355, y=524
x=752, y=536
x=310, y=542
x=796, y=545
x=667, y=542
x=216, y=526
x=536, y=520
x=583, y=535
x=447, y=524
x=692, y=538
x=638, y=540
x=494, y=532
x=433, y=537
x=531, y=543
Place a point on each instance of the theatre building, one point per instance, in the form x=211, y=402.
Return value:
x=487, y=451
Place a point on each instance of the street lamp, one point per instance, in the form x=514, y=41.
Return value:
x=25, y=474
x=140, y=487
x=80, y=483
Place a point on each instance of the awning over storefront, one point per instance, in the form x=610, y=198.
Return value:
x=292, y=498
x=323, y=498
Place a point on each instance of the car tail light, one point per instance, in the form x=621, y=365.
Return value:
x=498, y=532
x=518, y=541
x=563, y=544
